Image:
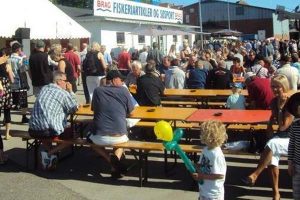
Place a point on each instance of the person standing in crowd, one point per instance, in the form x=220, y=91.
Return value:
x=155, y=54
x=106, y=55
x=186, y=52
x=143, y=56
x=6, y=101
x=49, y=117
x=172, y=52
x=149, y=88
x=111, y=104
x=267, y=50
x=74, y=60
x=83, y=74
x=84, y=51
x=135, y=73
x=260, y=92
x=211, y=169
x=175, y=77
x=65, y=67
x=293, y=107
x=20, y=85
x=290, y=72
x=39, y=69
x=278, y=144
x=94, y=68
x=124, y=61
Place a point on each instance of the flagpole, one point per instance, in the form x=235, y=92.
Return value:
x=200, y=24
x=228, y=15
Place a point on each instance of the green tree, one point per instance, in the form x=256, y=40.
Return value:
x=75, y=3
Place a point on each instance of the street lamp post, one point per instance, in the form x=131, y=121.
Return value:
x=200, y=24
x=228, y=14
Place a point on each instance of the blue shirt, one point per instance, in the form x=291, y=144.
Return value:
x=51, y=109
x=197, y=78
x=107, y=58
x=236, y=102
x=111, y=105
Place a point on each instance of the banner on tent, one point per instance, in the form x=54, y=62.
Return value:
x=132, y=10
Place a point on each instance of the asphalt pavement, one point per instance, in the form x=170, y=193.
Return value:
x=86, y=176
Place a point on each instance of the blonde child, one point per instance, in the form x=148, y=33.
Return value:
x=212, y=165
x=236, y=101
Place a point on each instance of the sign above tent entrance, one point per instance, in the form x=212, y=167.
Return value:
x=134, y=10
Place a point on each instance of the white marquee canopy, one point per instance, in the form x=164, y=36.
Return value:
x=44, y=19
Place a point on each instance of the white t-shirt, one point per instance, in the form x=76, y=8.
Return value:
x=212, y=161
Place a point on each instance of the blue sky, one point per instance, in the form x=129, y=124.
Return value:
x=289, y=4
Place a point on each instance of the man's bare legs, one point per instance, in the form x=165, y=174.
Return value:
x=102, y=152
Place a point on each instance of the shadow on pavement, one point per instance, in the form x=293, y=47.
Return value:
x=85, y=165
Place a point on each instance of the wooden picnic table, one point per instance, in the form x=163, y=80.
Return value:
x=231, y=116
x=148, y=112
x=162, y=113
x=195, y=92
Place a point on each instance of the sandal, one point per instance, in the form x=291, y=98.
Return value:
x=248, y=181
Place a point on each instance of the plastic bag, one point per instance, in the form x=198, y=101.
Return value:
x=238, y=145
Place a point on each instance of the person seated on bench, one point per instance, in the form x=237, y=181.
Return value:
x=111, y=104
x=49, y=117
x=278, y=144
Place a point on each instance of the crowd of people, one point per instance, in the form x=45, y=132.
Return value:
x=269, y=70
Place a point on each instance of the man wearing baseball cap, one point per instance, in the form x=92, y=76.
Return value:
x=111, y=104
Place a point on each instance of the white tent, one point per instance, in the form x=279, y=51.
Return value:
x=44, y=19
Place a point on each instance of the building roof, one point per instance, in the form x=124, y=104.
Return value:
x=43, y=18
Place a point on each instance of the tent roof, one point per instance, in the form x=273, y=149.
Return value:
x=44, y=19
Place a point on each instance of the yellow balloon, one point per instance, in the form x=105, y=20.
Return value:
x=163, y=131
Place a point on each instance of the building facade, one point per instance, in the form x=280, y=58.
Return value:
x=255, y=21
x=115, y=23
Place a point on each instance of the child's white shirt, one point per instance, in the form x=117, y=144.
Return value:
x=212, y=161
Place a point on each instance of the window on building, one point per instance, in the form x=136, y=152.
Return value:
x=120, y=38
x=192, y=10
x=141, y=39
x=239, y=10
x=187, y=19
x=174, y=38
x=186, y=37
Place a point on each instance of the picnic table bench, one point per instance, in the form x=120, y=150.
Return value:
x=140, y=150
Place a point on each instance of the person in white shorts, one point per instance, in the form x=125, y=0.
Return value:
x=278, y=144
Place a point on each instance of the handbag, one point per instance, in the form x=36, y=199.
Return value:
x=19, y=99
x=23, y=80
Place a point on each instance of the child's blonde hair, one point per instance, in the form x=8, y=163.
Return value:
x=213, y=133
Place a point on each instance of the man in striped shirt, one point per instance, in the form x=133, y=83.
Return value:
x=49, y=116
x=293, y=107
